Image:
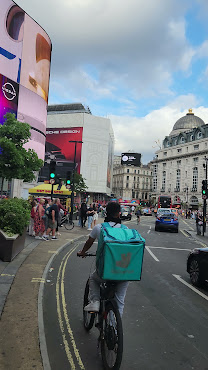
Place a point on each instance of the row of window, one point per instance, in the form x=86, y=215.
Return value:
x=182, y=139
x=179, y=150
x=178, y=181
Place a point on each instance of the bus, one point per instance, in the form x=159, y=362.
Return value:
x=164, y=201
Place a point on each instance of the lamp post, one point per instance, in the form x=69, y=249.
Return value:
x=186, y=190
x=73, y=173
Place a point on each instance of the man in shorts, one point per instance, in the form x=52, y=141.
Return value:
x=52, y=220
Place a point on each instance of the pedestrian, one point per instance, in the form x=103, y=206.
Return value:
x=132, y=208
x=39, y=225
x=32, y=216
x=52, y=220
x=79, y=215
x=95, y=216
x=83, y=213
x=199, y=223
x=62, y=211
x=138, y=214
x=90, y=213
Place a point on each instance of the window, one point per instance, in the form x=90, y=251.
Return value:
x=196, y=147
x=134, y=171
x=178, y=163
x=191, y=137
x=195, y=178
x=165, y=154
x=187, y=149
x=144, y=172
x=182, y=140
x=168, y=143
x=127, y=170
x=199, y=135
x=138, y=171
x=164, y=165
x=163, y=180
x=179, y=150
x=195, y=159
x=127, y=185
x=127, y=177
x=138, y=179
x=134, y=178
x=178, y=179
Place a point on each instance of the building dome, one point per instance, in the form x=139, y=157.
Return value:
x=187, y=122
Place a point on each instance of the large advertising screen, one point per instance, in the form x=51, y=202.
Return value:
x=60, y=142
x=25, y=55
x=131, y=159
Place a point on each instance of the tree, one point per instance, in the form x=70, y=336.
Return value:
x=15, y=161
x=79, y=183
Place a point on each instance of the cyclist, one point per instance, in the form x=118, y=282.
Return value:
x=138, y=214
x=113, y=217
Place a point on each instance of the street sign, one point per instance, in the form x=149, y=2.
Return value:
x=204, y=196
x=68, y=186
x=52, y=181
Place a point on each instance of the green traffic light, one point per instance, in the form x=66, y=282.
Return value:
x=204, y=192
x=52, y=175
x=68, y=182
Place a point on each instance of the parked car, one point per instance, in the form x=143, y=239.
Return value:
x=147, y=212
x=166, y=221
x=125, y=213
x=197, y=266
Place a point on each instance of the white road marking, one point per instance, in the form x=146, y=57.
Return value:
x=175, y=249
x=148, y=231
x=152, y=254
x=191, y=287
x=150, y=227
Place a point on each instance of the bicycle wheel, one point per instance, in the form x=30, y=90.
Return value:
x=112, y=341
x=87, y=316
x=69, y=224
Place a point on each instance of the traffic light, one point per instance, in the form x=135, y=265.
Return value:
x=52, y=170
x=204, y=187
x=68, y=178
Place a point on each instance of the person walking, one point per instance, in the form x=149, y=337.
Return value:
x=39, y=225
x=52, y=220
x=90, y=213
x=95, y=216
x=32, y=216
x=83, y=214
x=199, y=223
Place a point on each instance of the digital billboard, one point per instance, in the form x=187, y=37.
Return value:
x=25, y=55
x=131, y=159
x=57, y=144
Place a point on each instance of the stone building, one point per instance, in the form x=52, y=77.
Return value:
x=179, y=166
x=132, y=182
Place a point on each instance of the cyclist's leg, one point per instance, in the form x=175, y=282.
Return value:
x=120, y=293
x=94, y=286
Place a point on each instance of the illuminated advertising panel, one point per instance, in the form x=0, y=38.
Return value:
x=9, y=91
x=25, y=54
x=57, y=143
x=131, y=159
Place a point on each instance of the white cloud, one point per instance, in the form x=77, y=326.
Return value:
x=142, y=133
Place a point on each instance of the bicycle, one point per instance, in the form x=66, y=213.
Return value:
x=67, y=222
x=108, y=322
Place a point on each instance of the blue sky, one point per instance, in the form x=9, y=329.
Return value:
x=141, y=63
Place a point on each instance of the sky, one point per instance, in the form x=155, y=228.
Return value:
x=140, y=63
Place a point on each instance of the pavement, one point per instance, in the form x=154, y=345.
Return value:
x=20, y=282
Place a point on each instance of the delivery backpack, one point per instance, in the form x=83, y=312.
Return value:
x=120, y=253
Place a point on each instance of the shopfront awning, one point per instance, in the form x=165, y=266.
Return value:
x=45, y=189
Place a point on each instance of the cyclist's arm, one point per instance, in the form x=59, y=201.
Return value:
x=86, y=247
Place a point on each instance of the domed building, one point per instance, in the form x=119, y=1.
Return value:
x=178, y=168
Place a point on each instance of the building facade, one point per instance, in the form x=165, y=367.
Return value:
x=97, y=147
x=179, y=166
x=132, y=182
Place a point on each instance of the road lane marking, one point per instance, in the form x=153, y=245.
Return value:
x=183, y=232
x=175, y=249
x=76, y=351
x=152, y=254
x=37, y=280
x=6, y=275
x=148, y=231
x=191, y=287
x=61, y=325
x=188, y=225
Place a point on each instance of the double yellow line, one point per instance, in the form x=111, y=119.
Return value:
x=63, y=316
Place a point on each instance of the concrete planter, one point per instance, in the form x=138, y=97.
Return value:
x=10, y=246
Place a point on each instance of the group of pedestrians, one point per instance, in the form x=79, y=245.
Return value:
x=89, y=214
x=45, y=217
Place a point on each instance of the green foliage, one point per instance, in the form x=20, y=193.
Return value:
x=79, y=183
x=15, y=161
x=14, y=215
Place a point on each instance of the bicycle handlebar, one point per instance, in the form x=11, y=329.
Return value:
x=88, y=255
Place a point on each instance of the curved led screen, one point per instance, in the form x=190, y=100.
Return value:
x=25, y=55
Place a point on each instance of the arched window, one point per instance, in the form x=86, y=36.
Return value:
x=195, y=178
x=199, y=135
x=182, y=140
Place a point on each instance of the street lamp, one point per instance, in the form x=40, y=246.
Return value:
x=186, y=191
x=74, y=167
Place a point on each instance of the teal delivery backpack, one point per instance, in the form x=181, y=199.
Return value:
x=120, y=253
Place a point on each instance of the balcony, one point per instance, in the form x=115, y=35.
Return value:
x=176, y=190
x=194, y=189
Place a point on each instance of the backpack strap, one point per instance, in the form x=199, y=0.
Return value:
x=107, y=225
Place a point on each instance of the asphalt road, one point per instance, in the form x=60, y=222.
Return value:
x=165, y=321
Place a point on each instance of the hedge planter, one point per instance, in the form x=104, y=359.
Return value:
x=10, y=246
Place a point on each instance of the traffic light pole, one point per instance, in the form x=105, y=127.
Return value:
x=205, y=201
x=73, y=174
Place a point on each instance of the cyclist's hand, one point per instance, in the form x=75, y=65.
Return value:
x=81, y=254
